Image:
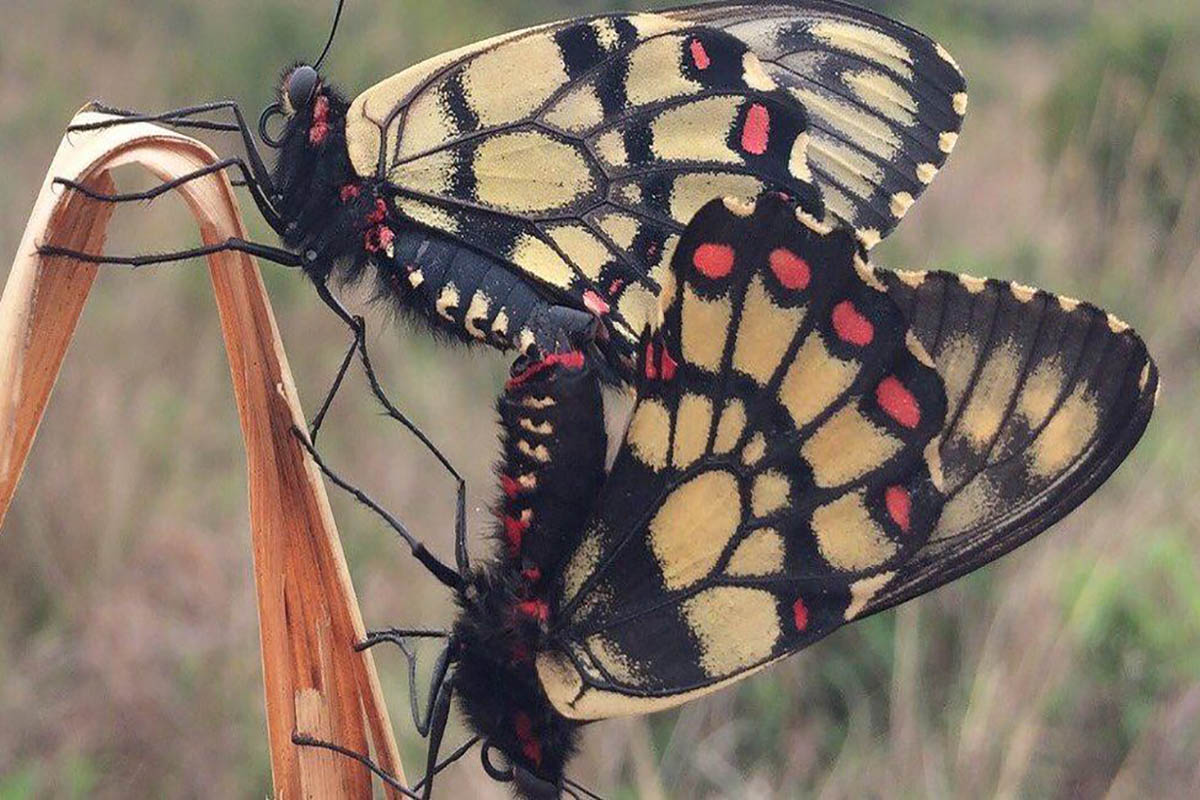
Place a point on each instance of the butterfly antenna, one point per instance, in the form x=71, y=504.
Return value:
x=578, y=789
x=337, y=16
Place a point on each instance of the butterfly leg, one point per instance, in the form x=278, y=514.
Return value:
x=440, y=669
x=266, y=252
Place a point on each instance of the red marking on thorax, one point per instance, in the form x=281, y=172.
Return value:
x=756, y=133
x=898, y=402
x=530, y=746
x=899, y=506
x=713, y=260
x=378, y=213
x=700, y=55
x=320, y=123
x=851, y=326
x=514, y=533
x=534, y=609
x=791, y=270
x=349, y=192
x=510, y=486
x=800, y=614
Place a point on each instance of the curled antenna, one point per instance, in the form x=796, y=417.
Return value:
x=333, y=32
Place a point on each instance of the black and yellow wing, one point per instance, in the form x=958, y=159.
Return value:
x=779, y=466
x=885, y=103
x=832, y=440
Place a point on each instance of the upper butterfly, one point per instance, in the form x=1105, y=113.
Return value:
x=529, y=191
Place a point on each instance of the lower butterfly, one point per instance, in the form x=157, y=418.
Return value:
x=813, y=441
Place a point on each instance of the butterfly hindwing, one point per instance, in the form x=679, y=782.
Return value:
x=774, y=472
x=885, y=103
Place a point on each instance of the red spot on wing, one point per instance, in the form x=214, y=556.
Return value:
x=531, y=574
x=700, y=55
x=615, y=286
x=651, y=369
x=899, y=506
x=791, y=270
x=800, y=614
x=595, y=303
x=851, y=326
x=713, y=260
x=898, y=402
x=669, y=365
x=756, y=132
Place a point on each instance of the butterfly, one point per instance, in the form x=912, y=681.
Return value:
x=813, y=441
x=528, y=191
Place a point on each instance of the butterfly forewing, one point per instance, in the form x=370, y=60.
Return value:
x=773, y=476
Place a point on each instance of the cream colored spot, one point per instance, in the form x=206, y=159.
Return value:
x=759, y=555
x=691, y=191
x=538, y=453
x=527, y=171
x=416, y=278
x=693, y=526
x=866, y=43
x=696, y=131
x=610, y=147
x=949, y=59
x=639, y=308
x=918, y=350
x=846, y=447
x=582, y=565
x=501, y=87
x=500, y=323
x=972, y=284
x=693, y=421
x=539, y=258
x=1117, y=325
x=972, y=505
x=729, y=429
x=1144, y=378
x=1068, y=304
x=606, y=34
x=926, y=173
x=1065, y=435
x=655, y=72
x=1022, y=293
x=947, y=141
x=579, y=111
x=882, y=94
x=868, y=274
x=933, y=461
x=704, y=327
x=819, y=227
x=911, y=278
x=863, y=592
x=869, y=237
x=985, y=411
x=770, y=493
x=849, y=167
x=649, y=433
x=847, y=536
x=447, y=301
x=585, y=250
x=739, y=206
x=431, y=174
x=901, y=203
x=754, y=75
x=956, y=364
x=765, y=333
x=798, y=164
x=736, y=627
x=614, y=661
x=427, y=214
x=541, y=429
x=960, y=103
x=477, y=313
x=813, y=381
x=539, y=402
x=868, y=130
x=621, y=228
x=1040, y=392
x=754, y=450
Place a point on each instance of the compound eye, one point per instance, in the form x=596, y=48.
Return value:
x=302, y=85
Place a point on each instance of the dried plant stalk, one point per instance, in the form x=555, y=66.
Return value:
x=308, y=614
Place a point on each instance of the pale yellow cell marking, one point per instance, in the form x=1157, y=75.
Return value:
x=639, y=308
x=739, y=206
x=507, y=83
x=500, y=323
x=863, y=592
x=447, y=301
x=585, y=250
x=870, y=237
x=579, y=111
x=947, y=141
x=649, y=434
x=428, y=125
x=949, y=59
x=956, y=364
x=864, y=129
x=1022, y=293
x=769, y=493
x=614, y=661
x=1117, y=325
x=430, y=174
x=693, y=421
x=540, y=259
x=729, y=429
x=696, y=131
x=985, y=410
x=798, y=164
x=866, y=43
x=582, y=565
x=960, y=103
x=846, y=447
x=973, y=504
x=911, y=278
x=901, y=203
x=477, y=313
x=628, y=193
x=853, y=170
x=926, y=173
x=610, y=147
x=691, y=191
x=693, y=526
x=883, y=95
x=704, y=326
x=1040, y=392
x=1065, y=435
x=972, y=284
x=847, y=536
x=1068, y=304
x=541, y=429
x=813, y=381
x=656, y=72
x=755, y=75
x=538, y=453
x=754, y=450
x=737, y=627
x=427, y=214
x=526, y=171
x=759, y=555
x=765, y=333
x=621, y=228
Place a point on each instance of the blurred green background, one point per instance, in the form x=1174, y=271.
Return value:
x=129, y=664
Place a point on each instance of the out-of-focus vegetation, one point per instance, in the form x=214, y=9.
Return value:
x=128, y=642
